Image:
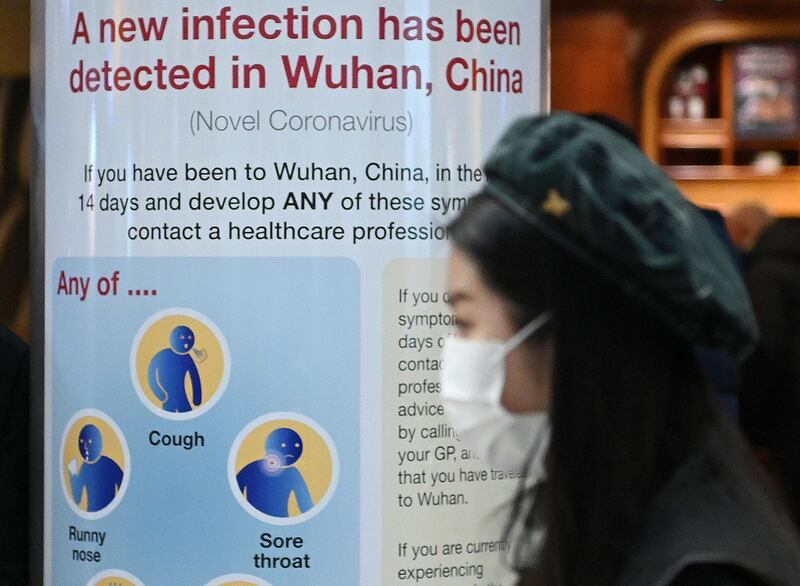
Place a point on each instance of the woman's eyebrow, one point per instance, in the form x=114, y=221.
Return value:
x=455, y=297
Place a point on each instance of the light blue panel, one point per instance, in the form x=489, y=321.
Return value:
x=292, y=326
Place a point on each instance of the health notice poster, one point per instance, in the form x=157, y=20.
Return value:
x=244, y=229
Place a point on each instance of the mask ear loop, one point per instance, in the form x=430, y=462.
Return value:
x=527, y=331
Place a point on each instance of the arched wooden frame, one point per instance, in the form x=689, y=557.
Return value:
x=688, y=39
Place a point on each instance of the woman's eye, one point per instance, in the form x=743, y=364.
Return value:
x=462, y=326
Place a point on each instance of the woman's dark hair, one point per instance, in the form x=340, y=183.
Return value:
x=628, y=404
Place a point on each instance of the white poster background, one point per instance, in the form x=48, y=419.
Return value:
x=153, y=128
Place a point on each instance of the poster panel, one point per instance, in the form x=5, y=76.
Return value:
x=244, y=229
x=766, y=79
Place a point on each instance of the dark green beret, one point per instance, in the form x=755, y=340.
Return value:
x=602, y=200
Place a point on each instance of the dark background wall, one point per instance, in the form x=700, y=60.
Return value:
x=15, y=135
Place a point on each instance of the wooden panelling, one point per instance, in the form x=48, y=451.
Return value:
x=15, y=27
x=590, y=64
x=724, y=188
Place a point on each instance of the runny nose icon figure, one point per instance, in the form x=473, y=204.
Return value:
x=167, y=372
x=268, y=483
x=99, y=475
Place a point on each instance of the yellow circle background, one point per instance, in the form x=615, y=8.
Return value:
x=114, y=581
x=156, y=338
x=316, y=463
x=112, y=447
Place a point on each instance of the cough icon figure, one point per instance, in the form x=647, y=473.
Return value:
x=99, y=475
x=267, y=484
x=167, y=372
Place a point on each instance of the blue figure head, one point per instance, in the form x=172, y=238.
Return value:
x=181, y=340
x=285, y=444
x=90, y=443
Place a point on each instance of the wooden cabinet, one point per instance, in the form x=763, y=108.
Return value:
x=712, y=162
x=687, y=133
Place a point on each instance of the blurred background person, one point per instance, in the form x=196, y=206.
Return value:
x=770, y=391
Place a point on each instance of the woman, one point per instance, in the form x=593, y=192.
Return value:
x=580, y=279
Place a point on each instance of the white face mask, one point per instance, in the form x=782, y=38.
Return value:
x=473, y=377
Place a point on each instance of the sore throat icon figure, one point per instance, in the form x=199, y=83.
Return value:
x=99, y=475
x=167, y=372
x=268, y=483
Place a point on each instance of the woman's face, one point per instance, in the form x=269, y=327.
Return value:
x=481, y=314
